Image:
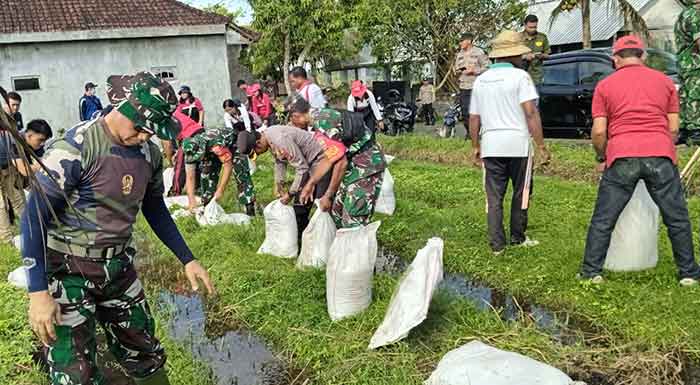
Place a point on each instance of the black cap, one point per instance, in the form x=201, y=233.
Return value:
x=90, y=85
x=185, y=89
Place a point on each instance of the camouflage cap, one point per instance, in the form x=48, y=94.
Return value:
x=147, y=101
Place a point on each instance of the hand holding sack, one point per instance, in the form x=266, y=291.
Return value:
x=280, y=231
x=214, y=214
x=316, y=240
x=349, y=271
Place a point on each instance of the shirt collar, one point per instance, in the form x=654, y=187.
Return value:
x=500, y=65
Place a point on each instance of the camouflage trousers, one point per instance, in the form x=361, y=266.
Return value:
x=108, y=292
x=355, y=201
x=690, y=103
x=244, y=181
x=210, y=168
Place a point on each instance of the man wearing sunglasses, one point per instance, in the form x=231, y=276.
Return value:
x=77, y=238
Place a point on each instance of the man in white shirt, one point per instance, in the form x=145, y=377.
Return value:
x=308, y=90
x=503, y=118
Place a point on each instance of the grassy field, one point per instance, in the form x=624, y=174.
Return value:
x=638, y=327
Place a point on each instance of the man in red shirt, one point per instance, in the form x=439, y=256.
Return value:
x=635, y=124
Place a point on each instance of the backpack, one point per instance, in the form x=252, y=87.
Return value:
x=354, y=127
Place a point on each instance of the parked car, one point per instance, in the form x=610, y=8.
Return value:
x=566, y=94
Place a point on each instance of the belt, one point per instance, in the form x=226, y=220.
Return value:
x=86, y=252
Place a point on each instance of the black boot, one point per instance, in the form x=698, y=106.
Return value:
x=250, y=209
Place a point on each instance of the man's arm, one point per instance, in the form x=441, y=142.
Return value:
x=484, y=63
x=190, y=181
x=82, y=105
x=534, y=125
x=339, y=169
x=375, y=107
x=674, y=124
x=599, y=136
x=226, y=171
x=474, y=128
x=280, y=174
x=246, y=118
x=546, y=49
x=351, y=103
x=316, y=98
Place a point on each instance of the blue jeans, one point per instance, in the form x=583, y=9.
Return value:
x=616, y=187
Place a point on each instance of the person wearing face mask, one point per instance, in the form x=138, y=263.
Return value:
x=688, y=41
x=77, y=238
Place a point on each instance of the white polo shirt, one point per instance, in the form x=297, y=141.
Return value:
x=497, y=97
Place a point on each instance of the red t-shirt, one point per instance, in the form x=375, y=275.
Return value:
x=636, y=100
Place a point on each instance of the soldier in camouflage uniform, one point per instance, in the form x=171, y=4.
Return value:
x=79, y=262
x=210, y=150
x=688, y=42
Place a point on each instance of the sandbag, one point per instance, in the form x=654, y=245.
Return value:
x=410, y=303
x=634, y=242
x=280, y=231
x=349, y=271
x=213, y=214
x=479, y=364
x=389, y=158
x=180, y=200
x=386, y=203
x=19, y=278
x=168, y=175
x=316, y=240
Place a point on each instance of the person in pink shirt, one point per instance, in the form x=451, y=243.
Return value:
x=635, y=125
x=259, y=103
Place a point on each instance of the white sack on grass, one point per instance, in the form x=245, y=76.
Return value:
x=389, y=158
x=17, y=242
x=214, y=214
x=280, y=231
x=316, y=240
x=18, y=278
x=479, y=364
x=349, y=271
x=386, y=203
x=183, y=213
x=634, y=242
x=410, y=303
x=168, y=175
x=180, y=200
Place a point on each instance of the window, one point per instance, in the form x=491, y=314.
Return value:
x=593, y=72
x=25, y=83
x=565, y=74
x=166, y=73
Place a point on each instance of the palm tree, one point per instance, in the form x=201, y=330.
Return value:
x=634, y=22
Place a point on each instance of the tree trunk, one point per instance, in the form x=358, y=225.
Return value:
x=302, y=56
x=287, y=49
x=586, y=24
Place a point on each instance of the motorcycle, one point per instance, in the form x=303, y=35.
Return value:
x=399, y=116
x=452, y=117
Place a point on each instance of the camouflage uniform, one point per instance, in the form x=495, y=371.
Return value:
x=106, y=184
x=539, y=43
x=687, y=33
x=362, y=183
x=209, y=148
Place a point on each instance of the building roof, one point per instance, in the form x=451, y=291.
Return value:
x=606, y=20
x=35, y=16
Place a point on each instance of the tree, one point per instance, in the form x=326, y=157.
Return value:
x=222, y=8
x=428, y=31
x=634, y=22
x=298, y=32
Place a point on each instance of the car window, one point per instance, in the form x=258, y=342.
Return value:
x=662, y=61
x=593, y=72
x=565, y=74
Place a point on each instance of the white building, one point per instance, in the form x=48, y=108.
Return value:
x=565, y=33
x=49, y=49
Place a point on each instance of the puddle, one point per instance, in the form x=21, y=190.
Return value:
x=488, y=299
x=235, y=358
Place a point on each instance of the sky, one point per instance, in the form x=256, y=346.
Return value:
x=247, y=17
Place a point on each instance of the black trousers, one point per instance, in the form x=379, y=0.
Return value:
x=499, y=171
x=614, y=192
x=428, y=114
x=304, y=211
x=465, y=99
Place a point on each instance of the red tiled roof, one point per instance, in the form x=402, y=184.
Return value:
x=26, y=16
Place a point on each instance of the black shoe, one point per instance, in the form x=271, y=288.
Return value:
x=250, y=209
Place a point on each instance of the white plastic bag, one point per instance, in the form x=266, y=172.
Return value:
x=18, y=278
x=389, y=158
x=349, y=271
x=634, y=242
x=213, y=214
x=168, y=175
x=386, y=204
x=410, y=303
x=280, y=231
x=316, y=240
x=17, y=242
x=479, y=364
x=180, y=200
x=183, y=213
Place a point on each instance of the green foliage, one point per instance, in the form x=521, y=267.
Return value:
x=221, y=9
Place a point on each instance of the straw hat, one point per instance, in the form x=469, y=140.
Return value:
x=508, y=44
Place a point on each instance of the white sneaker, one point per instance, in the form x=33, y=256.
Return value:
x=499, y=252
x=688, y=282
x=529, y=243
x=596, y=280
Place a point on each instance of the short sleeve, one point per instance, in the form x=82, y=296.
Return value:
x=198, y=104
x=474, y=105
x=526, y=89
x=194, y=148
x=546, y=48
x=64, y=163
x=599, y=108
x=673, y=100
x=155, y=186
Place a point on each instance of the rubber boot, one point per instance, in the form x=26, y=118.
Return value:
x=158, y=378
x=250, y=209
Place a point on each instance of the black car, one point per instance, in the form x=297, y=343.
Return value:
x=570, y=78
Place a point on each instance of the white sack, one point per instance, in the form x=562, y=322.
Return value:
x=479, y=364
x=349, y=271
x=389, y=158
x=180, y=200
x=316, y=240
x=410, y=303
x=634, y=242
x=17, y=242
x=168, y=175
x=213, y=214
x=19, y=278
x=386, y=204
x=280, y=231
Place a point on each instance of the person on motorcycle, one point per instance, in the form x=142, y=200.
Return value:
x=362, y=100
x=426, y=98
x=400, y=116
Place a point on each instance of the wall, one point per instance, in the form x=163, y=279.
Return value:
x=65, y=67
x=661, y=18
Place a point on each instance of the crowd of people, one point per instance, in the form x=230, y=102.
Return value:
x=98, y=175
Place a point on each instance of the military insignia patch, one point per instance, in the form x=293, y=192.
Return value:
x=127, y=184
